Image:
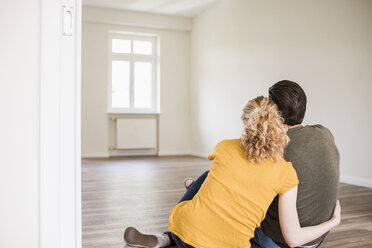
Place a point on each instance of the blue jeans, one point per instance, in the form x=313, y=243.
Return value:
x=190, y=193
x=179, y=242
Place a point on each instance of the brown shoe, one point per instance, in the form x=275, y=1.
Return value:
x=137, y=239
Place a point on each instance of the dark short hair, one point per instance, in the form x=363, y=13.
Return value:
x=291, y=101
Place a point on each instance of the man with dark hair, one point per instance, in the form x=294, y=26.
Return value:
x=291, y=101
x=314, y=156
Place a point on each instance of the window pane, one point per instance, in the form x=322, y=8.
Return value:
x=120, y=84
x=142, y=84
x=142, y=47
x=121, y=46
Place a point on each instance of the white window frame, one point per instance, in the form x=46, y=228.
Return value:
x=132, y=58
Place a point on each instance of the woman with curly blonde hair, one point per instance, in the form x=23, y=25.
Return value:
x=246, y=174
x=264, y=136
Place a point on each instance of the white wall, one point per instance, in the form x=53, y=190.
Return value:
x=174, y=128
x=240, y=48
x=19, y=125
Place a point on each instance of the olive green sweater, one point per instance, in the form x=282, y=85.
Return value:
x=315, y=157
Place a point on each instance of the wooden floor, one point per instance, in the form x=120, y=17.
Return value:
x=141, y=192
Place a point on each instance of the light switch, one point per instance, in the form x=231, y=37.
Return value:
x=67, y=22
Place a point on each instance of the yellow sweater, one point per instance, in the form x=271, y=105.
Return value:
x=232, y=201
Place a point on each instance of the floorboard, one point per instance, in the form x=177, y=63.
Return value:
x=141, y=191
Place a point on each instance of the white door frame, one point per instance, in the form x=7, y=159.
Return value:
x=60, y=135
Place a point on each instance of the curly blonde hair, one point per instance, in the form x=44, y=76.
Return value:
x=264, y=135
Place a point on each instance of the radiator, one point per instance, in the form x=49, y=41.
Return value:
x=136, y=133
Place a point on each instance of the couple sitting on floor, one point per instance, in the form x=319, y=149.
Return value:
x=251, y=193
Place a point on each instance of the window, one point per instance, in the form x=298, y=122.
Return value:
x=132, y=69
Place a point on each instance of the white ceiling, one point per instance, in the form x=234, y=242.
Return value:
x=186, y=8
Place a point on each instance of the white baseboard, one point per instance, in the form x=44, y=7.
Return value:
x=94, y=155
x=173, y=153
x=356, y=181
x=114, y=153
x=133, y=152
